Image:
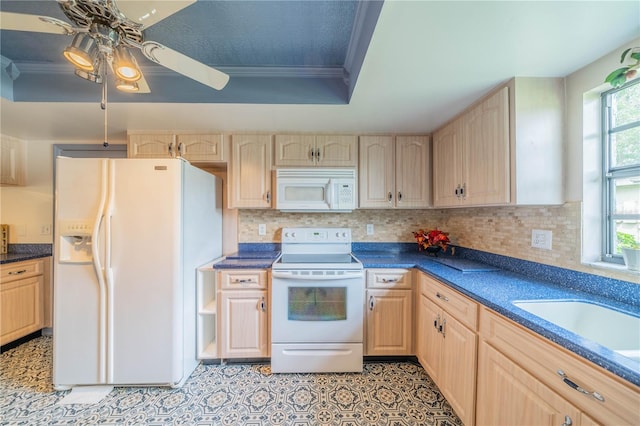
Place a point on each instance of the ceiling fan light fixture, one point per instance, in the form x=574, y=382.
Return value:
x=125, y=66
x=82, y=52
x=94, y=77
x=127, y=86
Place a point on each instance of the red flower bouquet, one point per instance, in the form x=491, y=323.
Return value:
x=432, y=238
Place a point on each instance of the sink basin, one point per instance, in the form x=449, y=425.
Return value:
x=612, y=329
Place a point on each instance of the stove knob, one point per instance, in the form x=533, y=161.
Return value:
x=337, y=234
x=344, y=234
x=293, y=235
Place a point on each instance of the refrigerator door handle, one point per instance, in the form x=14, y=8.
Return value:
x=108, y=214
x=97, y=266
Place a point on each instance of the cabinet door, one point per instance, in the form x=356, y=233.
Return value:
x=11, y=161
x=250, y=171
x=457, y=377
x=486, y=157
x=447, y=162
x=377, y=172
x=413, y=172
x=244, y=324
x=430, y=340
x=508, y=395
x=336, y=151
x=151, y=146
x=21, y=308
x=203, y=148
x=389, y=318
x=294, y=150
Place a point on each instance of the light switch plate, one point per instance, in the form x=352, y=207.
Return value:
x=370, y=229
x=541, y=239
x=262, y=229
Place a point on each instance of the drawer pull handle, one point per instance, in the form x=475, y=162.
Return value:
x=390, y=280
x=579, y=388
x=442, y=297
x=21, y=271
x=243, y=281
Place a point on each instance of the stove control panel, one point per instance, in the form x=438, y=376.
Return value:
x=316, y=235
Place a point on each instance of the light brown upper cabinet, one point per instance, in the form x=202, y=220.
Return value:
x=316, y=150
x=201, y=148
x=394, y=172
x=250, y=171
x=196, y=148
x=12, y=161
x=506, y=149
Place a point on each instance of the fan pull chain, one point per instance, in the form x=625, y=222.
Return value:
x=103, y=105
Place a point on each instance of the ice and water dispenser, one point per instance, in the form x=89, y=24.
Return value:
x=75, y=241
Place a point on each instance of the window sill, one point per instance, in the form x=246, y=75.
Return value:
x=612, y=267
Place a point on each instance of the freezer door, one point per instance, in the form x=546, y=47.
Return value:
x=144, y=272
x=79, y=324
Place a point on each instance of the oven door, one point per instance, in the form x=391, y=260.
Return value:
x=310, y=306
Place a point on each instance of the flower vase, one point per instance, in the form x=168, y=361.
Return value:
x=433, y=250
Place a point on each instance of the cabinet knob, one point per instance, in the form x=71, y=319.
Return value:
x=268, y=196
x=567, y=421
x=371, y=303
x=389, y=196
x=399, y=196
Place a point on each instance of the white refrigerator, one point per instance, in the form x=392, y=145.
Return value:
x=129, y=235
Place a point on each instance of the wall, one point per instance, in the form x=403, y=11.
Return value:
x=500, y=230
x=30, y=207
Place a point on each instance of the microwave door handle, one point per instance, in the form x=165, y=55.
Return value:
x=330, y=193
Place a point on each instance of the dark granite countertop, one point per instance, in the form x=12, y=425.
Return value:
x=514, y=280
x=20, y=252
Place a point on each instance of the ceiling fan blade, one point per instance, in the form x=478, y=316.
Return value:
x=149, y=12
x=185, y=65
x=34, y=23
x=143, y=87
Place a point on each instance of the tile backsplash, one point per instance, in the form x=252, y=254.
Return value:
x=500, y=230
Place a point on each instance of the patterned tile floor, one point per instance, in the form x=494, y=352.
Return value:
x=386, y=393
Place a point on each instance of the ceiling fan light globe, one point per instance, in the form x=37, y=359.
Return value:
x=125, y=66
x=127, y=86
x=82, y=52
x=94, y=77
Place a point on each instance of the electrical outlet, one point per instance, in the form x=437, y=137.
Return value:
x=541, y=239
x=45, y=229
x=369, y=228
x=262, y=229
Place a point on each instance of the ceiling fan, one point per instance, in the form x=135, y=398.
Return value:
x=106, y=30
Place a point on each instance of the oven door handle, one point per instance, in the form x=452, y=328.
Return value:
x=289, y=276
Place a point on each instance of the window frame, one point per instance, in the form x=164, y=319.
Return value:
x=610, y=174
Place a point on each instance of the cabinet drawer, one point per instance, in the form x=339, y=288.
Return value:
x=543, y=359
x=459, y=306
x=389, y=278
x=18, y=270
x=250, y=278
x=21, y=309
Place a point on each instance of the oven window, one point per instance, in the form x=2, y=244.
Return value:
x=317, y=303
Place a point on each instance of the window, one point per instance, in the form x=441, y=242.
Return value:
x=621, y=169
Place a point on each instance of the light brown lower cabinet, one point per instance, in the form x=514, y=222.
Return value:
x=389, y=312
x=446, y=343
x=22, y=294
x=244, y=317
x=525, y=379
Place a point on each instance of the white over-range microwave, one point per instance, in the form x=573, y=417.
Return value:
x=316, y=190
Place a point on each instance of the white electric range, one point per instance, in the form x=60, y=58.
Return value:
x=317, y=302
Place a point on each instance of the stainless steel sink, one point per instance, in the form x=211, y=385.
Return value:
x=611, y=328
